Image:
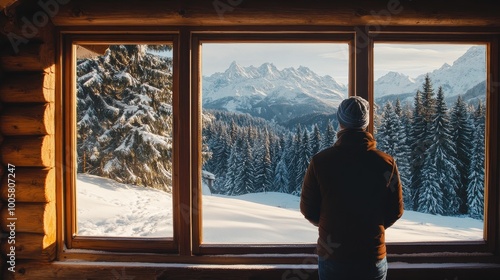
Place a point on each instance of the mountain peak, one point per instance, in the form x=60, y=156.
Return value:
x=393, y=83
x=445, y=66
x=393, y=75
x=304, y=69
x=265, y=91
x=474, y=55
x=269, y=70
x=236, y=71
x=465, y=72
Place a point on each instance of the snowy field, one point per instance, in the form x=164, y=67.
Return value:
x=108, y=208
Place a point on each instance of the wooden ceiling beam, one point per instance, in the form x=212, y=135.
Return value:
x=262, y=12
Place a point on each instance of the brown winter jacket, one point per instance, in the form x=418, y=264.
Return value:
x=352, y=192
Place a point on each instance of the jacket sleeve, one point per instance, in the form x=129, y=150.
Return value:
x=310, y=197
x=394, y=206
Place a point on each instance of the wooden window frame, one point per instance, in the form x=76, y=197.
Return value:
x=200, y=38
x=68, y=141
x=477, y=249
x=187, y=246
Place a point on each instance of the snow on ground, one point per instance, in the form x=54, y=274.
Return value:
x=108, y=208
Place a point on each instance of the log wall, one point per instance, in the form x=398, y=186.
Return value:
x=27, y=96
x=27, y=90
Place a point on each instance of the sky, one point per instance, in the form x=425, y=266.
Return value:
x=330, y=58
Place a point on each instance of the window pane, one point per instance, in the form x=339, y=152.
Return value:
x=430, y=115
x=124, y=140
x=267, y=108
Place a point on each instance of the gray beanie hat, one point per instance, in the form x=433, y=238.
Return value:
x=354, y=112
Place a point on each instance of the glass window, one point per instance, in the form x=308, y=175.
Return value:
x=124, y=141
x=267, y=108
x=429, y=113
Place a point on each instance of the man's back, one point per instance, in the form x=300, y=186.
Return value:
x=353, y=192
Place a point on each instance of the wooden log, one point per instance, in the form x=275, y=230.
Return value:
x=34, y=151
x=31, y=246
x=102, y=270
x=5, y=4
x=262, y=13
x=31, y=217
x=33, y=56
x=88, y=270
x=31, y=185
x=32, y=119
x=28, y=87
x=23, y=24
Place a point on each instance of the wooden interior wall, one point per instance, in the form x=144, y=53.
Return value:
x=27, y=85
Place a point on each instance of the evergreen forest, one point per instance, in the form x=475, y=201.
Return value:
x=125, y=132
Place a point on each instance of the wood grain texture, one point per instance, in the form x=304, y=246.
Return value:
x=32, y=246
x=91, y=270
x=28, y=87
x=33, y=56
x=31, y=185
x=31, y=218
x=29, y=151
x=261, y=12
x=31, y=119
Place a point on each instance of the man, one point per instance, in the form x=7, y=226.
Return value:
x=352, y=192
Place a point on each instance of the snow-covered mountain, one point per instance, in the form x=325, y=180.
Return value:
x=466, y=72
x=273, y=94
x=394, y=83
x=281, y=95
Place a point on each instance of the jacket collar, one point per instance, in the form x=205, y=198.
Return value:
x=355, y=139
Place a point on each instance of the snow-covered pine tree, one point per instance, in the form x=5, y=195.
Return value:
x=475, y=187
x=258, y=152
x=442, y=151
x=217, y=128
x=268, y=164
x=244, y=180
x=428, y=100
x=329, y=137
x=287, y=156
x=417, y=149
x=315, y=140
x=233, y=131
x=221, y=151
x=392, y=139
x=420, y=140
x=430, y=195
x=233, y=170
x=430, y=192
x=124, y=115
x=293, y=155
x=403, y=152
x=263, y=166
x=281, y=177
x=461, y=129
x=276, y=150
x=206, y=152
x=388, y=132
x=303, y=158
